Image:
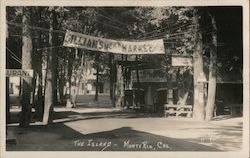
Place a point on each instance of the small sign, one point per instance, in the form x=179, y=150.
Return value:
x=182, y=61
x=19, y=73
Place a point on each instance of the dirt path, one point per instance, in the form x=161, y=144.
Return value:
x=113, y=130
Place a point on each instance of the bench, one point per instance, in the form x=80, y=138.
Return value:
x=178, y=110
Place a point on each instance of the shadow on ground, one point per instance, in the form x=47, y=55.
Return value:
x=59, y=137
x=72, y=115
x=69, y=116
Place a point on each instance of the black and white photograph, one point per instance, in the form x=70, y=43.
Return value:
x=135, y=79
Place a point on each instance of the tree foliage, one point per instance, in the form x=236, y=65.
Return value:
x=177, y=26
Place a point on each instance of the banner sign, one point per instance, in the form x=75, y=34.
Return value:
x=181, y=61
x=78, y=40
x=19, y=73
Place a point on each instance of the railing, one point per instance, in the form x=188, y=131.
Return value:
x=178, y=110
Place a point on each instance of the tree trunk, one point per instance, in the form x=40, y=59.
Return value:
x=125, y=80
x=34, y=81
x=119, y=87
x=8, y=119
x=37, y=64
x=136, y=96
x=199, y=105
x=55, y=89
x=55, y=65
x=212, y=74
x=40, y=99
x=7, y=101
x=97, y=77
x=55, y=43
x=61, y=83
x=114, y=76
x=75, y=85
x=79, y=75
x=49, y=89
x=112, y=79
x=26, y=64
x=69, y=76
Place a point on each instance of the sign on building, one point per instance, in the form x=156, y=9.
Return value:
x=19, y=73
x=150, y=75
x=182, y=61
x=78, y=40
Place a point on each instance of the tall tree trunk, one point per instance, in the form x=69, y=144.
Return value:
x=7, y=101
x=199, y=105
x=61, y=83
x=55, y=89
x=138, y=83
x=33, y=93
x=123, y=81
x=79, y=75
x=114, y=76
x=97, y=77
x=49, y=89
x=40, y=98
x=74, y=84
x=62, y=78
x=112, y=79
x=55, y=65
x=26, y=64
x=8, y=119
x=55, y=56
x=212, y=74
x=68, y=85
x=119, y=87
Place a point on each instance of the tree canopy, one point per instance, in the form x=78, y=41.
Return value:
x=186, y=31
